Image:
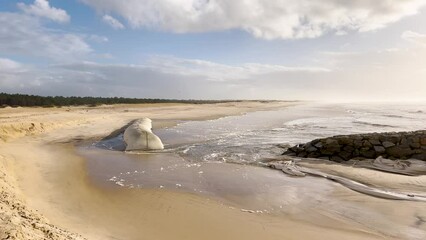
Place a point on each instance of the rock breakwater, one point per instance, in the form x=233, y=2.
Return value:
x=391, y=145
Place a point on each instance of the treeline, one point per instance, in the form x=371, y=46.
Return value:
x=23, y=100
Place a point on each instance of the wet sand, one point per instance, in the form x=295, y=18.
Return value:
x=50, y=176
x=65, y=195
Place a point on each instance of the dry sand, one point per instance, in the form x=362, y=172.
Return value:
x=46, y=193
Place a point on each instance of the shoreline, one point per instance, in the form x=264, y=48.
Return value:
x=47, y=175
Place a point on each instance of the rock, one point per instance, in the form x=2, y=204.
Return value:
x=404, y=141
x=331, y=141
x=332, y=146
x=345, y=155
x=357, y=143
x=392, y=145
x=319, y=145
x=415, y=145
x=393, y=138
x=314, y=155
x=367, y=153
x=379, y=149
x=311, y=149
x=415, y=139
x=367, y=144
x=336, y=159
x=345, y=140
x=421, y=156
x=399, y=152
x=296, y=149
x=388, y=144
x=348, y=148
x=290, y=153
x=374, y=142
x=302, y=154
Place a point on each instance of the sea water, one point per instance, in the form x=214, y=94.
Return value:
x=244, y=140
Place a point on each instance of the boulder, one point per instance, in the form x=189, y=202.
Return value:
x=379, y=149
x=345, y=155
x=374, y=142
x=399, y=152
x=367, y=153
x=402, y=145
x=388, y=144
x=421, y=156
x=336, y=159
x=311, y=149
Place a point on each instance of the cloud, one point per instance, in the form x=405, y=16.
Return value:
x=221, y=72
x=114, y=23
x=414, y=37
x=41, y=8
x=16, y=76
x=160, y=77
x=8, y=65
x=376, y=75
x=272, y=19
x=97, y=38
x=24, y=35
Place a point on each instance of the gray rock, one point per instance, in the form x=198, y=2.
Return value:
x=374, y=142
x=379, y=149
x=311, y=149
x=319, y=145
x=388, y=144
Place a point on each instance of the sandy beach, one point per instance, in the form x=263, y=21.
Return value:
x=46, y=192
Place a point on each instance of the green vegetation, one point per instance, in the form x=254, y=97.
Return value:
x=15, y=100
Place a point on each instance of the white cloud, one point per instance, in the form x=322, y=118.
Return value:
x=24, y=35
x=14, y=75
x=7, y=65
x=114, y=23
x=161, y=77
x=414, y=37
x=221, y=72
x=376, y=75
x=41, y=8
x=270, y=19
x=98, y=39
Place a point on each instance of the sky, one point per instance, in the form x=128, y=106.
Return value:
x=332, y=50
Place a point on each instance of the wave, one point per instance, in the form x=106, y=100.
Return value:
x=373, y=124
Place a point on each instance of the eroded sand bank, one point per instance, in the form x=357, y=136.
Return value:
x=43, y=173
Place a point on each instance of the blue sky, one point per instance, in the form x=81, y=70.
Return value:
x=253, y=49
